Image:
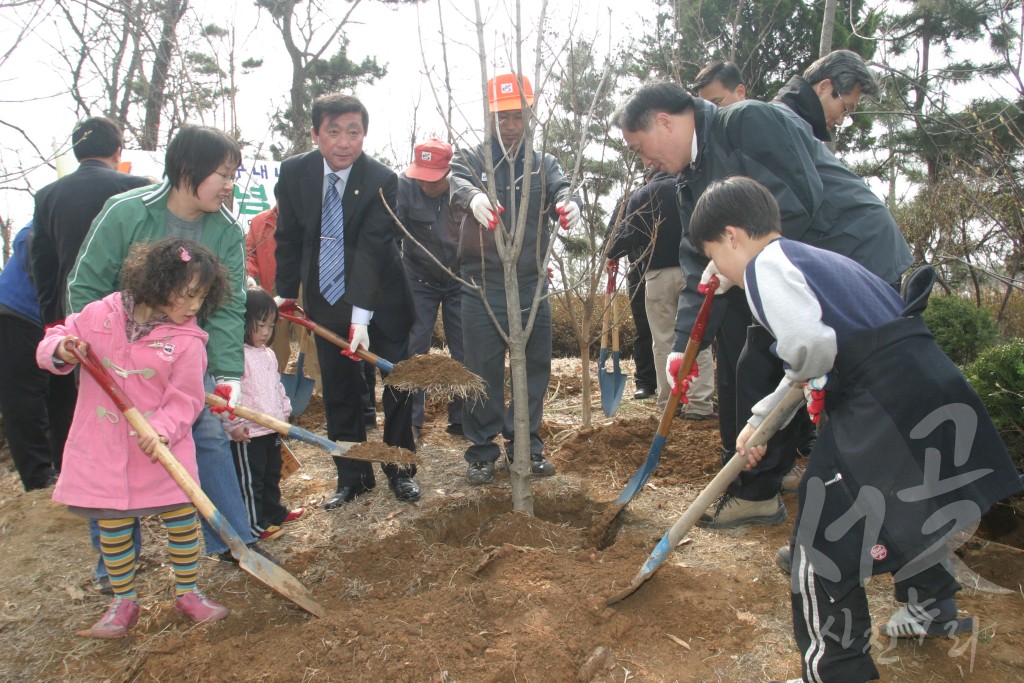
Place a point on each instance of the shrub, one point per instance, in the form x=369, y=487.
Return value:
x=961, y=329
x=998, y=377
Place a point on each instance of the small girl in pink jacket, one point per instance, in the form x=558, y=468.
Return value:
x=257, y=449
x=147, y=337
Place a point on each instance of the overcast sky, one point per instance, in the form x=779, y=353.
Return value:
x=34, y=94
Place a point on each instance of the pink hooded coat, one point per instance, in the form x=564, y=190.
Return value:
x=162, y=374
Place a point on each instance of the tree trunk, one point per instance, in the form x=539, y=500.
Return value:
x=827, y=28
x=585, y=371
x=519, y=470
x=174, y=10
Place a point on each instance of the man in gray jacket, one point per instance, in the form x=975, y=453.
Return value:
x=822, y=203
x=485, y=346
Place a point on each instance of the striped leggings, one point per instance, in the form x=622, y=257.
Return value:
x=182, y=543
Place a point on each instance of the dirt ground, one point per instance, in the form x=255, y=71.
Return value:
x=459, y=588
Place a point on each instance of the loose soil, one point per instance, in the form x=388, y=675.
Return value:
x=458, y=587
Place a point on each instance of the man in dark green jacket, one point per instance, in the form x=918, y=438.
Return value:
x=822, y=203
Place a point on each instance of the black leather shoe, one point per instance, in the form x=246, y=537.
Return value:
x=345, y=494
x=405, y=488
x=644, y=392
x=455, y=429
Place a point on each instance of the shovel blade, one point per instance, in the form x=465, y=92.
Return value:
x=278, y=579
x=640, y=477
x=298, y=387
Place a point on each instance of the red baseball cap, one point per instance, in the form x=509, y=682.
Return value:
x=430, y=160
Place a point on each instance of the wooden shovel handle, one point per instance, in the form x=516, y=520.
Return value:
x=295, y=314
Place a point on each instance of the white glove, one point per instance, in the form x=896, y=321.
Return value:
x=250, y=282
x=569, y=212
x=724, y=283
x=279, y=300
x=231, y=387
x=483, y=212
x=357, y=336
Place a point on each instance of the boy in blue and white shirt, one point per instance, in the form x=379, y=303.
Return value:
x=907, y=458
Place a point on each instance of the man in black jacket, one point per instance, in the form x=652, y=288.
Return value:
x=828, y=92
x=822, y=203
x=66, y=207
x=335, y=236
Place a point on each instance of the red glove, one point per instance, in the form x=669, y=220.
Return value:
x=675, y=361
x=224, y=391
x=815, y=397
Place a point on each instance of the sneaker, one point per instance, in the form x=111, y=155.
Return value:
x=784, y=560
x=294, y=516
x=927, y=620
x=698, y=417
x=791, y=482
x=480, y=472
x=199, y=608
x=122, y=614
x=271, y=532
x=731, y=512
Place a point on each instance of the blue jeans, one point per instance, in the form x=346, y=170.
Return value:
x=217, y=477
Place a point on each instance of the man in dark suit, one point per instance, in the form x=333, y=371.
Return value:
x=346, y=254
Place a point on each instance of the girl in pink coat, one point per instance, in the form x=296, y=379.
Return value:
x=147, y=337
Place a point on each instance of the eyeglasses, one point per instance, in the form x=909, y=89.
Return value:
x=226, y=177
x=848, y=111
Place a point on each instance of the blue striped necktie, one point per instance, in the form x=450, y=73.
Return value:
x=332, y=244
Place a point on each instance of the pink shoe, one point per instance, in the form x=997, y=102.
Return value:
x=122, y=614
x=199, y=608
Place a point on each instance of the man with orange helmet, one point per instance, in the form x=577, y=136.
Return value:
x=510, y=100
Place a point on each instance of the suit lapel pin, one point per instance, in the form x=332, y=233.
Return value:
x=356, y=193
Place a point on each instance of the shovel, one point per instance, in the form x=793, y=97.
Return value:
x=290, y=431
x=297, y=386
x=611, y=382
x=457, y=382
x=250, y=561
x=638, y=480
x=778, y=417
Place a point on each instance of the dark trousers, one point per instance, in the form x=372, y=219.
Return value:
x=729, y=341
x=258, y=466
x=485, y=351
x=759, y=372
x=646, y=375
x=344, y=382
x=833, y=632
x=37, y=405
x=427, y=298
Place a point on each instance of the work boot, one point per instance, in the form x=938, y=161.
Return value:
x=541, y=466
x=480, y=472
x=784, y=560
x=199, y=608
x=122, y=614
x=927, y=620
x=791, y=482
x=731, y=512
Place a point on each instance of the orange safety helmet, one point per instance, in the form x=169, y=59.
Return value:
x=503, y=92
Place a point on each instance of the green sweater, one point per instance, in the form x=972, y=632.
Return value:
x=140, y=215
